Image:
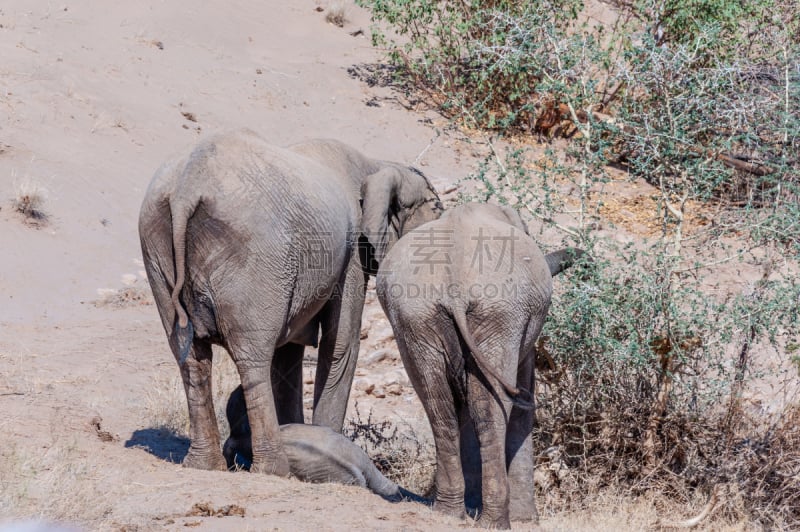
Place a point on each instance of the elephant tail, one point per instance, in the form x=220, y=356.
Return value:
x=522, y=398
x=184, y=331
x=560, y=260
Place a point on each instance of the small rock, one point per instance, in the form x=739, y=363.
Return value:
x=103, y=435
x=362, y=385
x=396, y=377
x=375, y=357
x=378, y=393
x=388, y=338
x=394, y=389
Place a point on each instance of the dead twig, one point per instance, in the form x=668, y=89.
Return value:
x=707, y=510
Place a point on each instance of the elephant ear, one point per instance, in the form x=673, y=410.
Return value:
x=379, y=205
x=514, y=218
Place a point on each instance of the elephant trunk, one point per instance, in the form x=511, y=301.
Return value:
x=560, y=260
x=379, y=483
x=522, y=398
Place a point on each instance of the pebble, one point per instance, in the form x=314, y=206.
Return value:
x=376, y=356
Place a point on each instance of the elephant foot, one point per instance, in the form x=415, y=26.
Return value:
x=454, y=509
x=526, y=516
x=276, y=466
x=498, y=523
x=523, y=511
x=521, y=504
x=210, y=461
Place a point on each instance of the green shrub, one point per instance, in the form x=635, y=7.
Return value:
x=480, y=61
x=645, y=358
x=699, y=98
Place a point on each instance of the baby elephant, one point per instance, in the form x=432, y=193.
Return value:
x=316, y=453
x=467, y=296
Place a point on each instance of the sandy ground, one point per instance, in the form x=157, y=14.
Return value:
x=93, y=97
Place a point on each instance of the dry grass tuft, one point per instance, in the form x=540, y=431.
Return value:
x=51, y=485
x=134, y=295
x=608, y=509
x=165, y=403
x=29, y=200
x=337, y=13
x=205, y=509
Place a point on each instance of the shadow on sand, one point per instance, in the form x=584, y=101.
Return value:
x=160, y=442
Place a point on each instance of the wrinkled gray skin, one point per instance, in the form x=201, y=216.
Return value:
x=256, y=248
x=467, y=296
x=316, y=454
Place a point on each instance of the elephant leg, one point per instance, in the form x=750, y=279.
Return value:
x=287, y=383
x=425, y=364
x=195, y=372
x=204, y=450
x=253, y=354
x=489, y=416
x=519, y=452
x=470, y=460
x=440, y=408
x=338, y=349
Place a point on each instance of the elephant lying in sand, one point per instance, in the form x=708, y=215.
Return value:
x=316, y=454
x=467, y=296
x=257, y=248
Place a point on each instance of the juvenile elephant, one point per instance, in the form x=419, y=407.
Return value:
x=256, y=248
x=467, y=295
x=316, y=454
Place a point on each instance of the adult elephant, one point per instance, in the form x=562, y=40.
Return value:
x=256, y=248
x=467, y=296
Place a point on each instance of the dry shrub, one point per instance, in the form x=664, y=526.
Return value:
x=337, y=13
x=403, y=456
x=765, y=469
x=747, y=469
